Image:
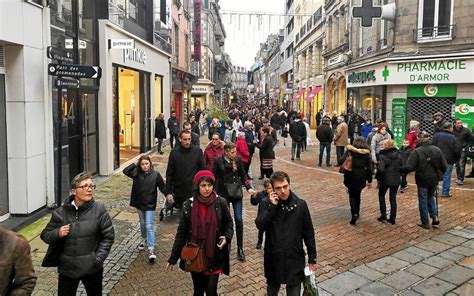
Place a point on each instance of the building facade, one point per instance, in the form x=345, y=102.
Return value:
x=422, y=65
x=286, y=56
x=239, y=80
x=309, y=75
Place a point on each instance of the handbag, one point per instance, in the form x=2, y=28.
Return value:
x=51, y=259
x=193, y=257
x=234, y=191
x=346, y=165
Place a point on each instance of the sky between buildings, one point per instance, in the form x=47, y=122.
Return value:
x=245, y=32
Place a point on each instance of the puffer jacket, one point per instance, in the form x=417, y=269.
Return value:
x=89, y=241
x=17, y=276
x=390, y=166
x=361, y=167
x=377, y=144
x=144, y=193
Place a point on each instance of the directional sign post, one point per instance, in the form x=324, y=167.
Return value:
x=67, y=83
x=367, y=12
x=76, y=71
x=60, y=55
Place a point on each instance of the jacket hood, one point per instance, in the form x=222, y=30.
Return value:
x=391, y=153
x=358, y=150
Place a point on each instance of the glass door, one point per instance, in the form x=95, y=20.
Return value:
x=89, y=128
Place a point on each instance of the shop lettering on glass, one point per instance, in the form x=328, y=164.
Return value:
x=431, y=71
x=361, y=77
x=135, y=54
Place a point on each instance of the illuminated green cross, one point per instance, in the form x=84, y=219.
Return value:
x=385, y=73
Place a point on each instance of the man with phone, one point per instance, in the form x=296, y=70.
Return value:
x=286, y=220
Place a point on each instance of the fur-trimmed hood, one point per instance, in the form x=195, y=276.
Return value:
x=358, y=150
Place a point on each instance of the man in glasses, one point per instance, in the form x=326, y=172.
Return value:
x=80, y=233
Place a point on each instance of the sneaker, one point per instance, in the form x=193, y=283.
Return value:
x=381, y=219
x=446, y=195
x=435, y=222
x=142, y=245
x=425, y=226
x=151, y=256
x=459, y=182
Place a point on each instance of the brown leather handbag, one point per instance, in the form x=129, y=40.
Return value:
x=193, y=257
x=346, y=165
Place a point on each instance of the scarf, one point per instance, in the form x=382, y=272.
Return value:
x=203, y=229
x=288, y=205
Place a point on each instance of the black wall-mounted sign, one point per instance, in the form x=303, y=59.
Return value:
x=68, y=83
x=76, y=71
x=60, y=54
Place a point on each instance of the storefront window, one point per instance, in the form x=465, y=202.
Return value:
x=158, y=95
x=86, y=19
x=61, y=14
x=366, y=101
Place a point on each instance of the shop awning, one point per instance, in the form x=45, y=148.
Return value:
x=313, y=92
x=298, y=95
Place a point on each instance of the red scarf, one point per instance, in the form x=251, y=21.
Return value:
x=203, y=229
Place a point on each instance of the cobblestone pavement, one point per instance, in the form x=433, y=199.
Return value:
x=342, y=249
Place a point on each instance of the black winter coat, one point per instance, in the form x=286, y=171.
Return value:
x=266, y=148
x=275, y=122
x=195, y=127
x=325, y=134
x=361, y=167
x=463, y=135
x=225, y=174
x=213, y=130
x=298, y=131
x=225, y=227
x=425, y=161
x=390, y=164
x=286, y=225
x=448, y=144
x=173, y=126
x=261, y=195
x=183, y=164
x=404, y=154
x=90, y=239
x=144, y=193
x=160, y=129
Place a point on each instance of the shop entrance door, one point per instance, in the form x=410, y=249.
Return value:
x=4, y=208
x=89, y=131
x=145, y=113
x=423, y=109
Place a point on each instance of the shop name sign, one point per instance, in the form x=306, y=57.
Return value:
x=431, y=71
x=361, y=77
x=135, y=55
x=199, y=89
x=121, y=43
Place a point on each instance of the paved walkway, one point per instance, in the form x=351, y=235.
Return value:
x=345, y=252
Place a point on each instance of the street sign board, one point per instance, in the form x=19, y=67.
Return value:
x=399, y=119
x=121, y=43
x=77, y=71
x=68, y=83
x=60, y=54
x=367, y=12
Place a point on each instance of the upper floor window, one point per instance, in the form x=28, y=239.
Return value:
x=435, y=20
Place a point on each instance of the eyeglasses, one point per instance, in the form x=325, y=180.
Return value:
x=87, y=186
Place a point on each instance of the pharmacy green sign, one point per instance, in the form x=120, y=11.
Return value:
x=432, y=90
x=465, y=112
x=399, y=119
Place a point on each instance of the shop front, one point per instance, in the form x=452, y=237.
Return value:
x=335, y=93
x=201, y=95
x=132, y=94
x=181, y=88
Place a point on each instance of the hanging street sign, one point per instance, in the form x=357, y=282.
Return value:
x=59, y=54
x=367, y=12
x=68, y=83
x=76, y=71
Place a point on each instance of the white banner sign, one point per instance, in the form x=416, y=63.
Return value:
x=121, y=43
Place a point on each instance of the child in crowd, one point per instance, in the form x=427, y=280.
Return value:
x=255, y=200
x=405, y=152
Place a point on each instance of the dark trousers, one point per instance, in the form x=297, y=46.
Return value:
x=393, y=201
x=273, y=289
x=93, y=283
x=260, y=235
x=339, y=153
x=296, y=149
x=160, y=143
x=204, y=284
x=404, y=180
x=305, y=145
x=354, y=200
x=172, y=139
x=247, y=166
x=328, y=153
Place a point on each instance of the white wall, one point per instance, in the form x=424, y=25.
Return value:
x=28, y=110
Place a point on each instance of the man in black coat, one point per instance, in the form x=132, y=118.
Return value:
x=287, y=223
x=160, y=131
x=450, y=146
x=174, y=127
x=183, y=163
x=429, y=165
x=194, y=124
x=298, y=135
x=463, y=135
x=325, y=134
x=195, y=139
x=438, y=122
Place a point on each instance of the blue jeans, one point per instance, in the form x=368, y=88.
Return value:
x=147, y=227
x=461, y=166
x=239, y=222
x=427, y=204
x=328, y=152
x=447, y=180
x=339, y=154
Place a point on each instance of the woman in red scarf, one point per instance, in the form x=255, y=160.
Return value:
x=206, y=221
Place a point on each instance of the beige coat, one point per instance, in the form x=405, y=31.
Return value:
x=341, y=135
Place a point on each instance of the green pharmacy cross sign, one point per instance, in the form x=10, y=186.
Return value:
x=385, y=73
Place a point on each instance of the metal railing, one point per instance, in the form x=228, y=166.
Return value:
x=434, y=33
x=161, y=43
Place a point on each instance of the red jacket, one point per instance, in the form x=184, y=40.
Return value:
x=412, y=137
x=242, y=150
x=211, y=153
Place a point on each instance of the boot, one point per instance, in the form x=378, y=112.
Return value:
x=435, y=222
x=240, y=254
x=354, y=219
x=382, y=218
x=259, y=245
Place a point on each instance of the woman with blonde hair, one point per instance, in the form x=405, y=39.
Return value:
x=389, y=168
